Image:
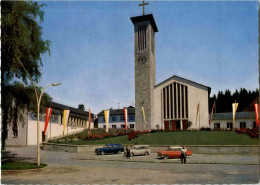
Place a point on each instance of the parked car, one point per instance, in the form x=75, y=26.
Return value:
x=110, y=148
x=140, y=150
x=172, y=152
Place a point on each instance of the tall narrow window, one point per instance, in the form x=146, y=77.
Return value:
x=186, y=101
x=175, y=100
x=171, y=101
x=141, y=38
x=164, y=111
x=179, y=101
x=167, y=91
x=182, y=101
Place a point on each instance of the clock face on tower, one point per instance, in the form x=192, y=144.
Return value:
x=142, y=59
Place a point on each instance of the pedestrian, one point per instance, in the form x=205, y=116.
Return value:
x=127, y=152
x=183, y=155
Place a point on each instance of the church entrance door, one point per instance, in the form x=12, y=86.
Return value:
x=178, y=125
x=173, y=125
x=166, y=125
x=185, y=124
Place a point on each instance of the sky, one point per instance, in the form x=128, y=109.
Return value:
x=214, y=43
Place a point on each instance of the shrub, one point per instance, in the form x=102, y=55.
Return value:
x=189, y=124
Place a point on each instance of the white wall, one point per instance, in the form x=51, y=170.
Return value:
x=196, y=94
x=158, y=117
x=118, y=124
x=223, y=123
x=54, y=130
x=27, y=133
x=21, y=140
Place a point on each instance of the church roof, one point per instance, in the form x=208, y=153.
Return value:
x=148, y=17
x=178, y=77
x=130, y=110
x=229, y=115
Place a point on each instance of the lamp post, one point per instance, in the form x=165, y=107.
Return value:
x=38, y=120
x=38, y=100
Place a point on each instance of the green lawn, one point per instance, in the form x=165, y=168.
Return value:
x=18, y=165
x=178, y=138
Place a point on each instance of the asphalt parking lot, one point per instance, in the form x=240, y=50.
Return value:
x=75, y=168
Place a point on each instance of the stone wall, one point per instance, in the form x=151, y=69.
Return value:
x=214, y=149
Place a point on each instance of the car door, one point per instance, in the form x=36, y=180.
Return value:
x=137, y=151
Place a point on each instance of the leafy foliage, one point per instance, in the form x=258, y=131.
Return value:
x=22, y=42
x=81, y=107
x=21, y=39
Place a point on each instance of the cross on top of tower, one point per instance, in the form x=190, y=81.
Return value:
x=143, y=4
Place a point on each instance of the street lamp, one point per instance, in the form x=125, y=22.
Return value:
x=38, y=119
x=38, y=100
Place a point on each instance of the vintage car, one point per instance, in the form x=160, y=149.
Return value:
x=172, y=152
x=110, y=148
x=139, y=150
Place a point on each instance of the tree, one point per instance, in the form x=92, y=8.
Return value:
x=81, y=107
x=22, y=42
x=224, y=100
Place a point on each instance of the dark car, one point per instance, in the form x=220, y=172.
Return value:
x=110, y=148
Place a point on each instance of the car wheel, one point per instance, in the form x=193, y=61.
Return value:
x=146, y=153
x=132, y=154
x=166, y=157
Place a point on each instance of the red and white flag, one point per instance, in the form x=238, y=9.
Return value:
x=257, y=114
x=47, y=119
x=89, y=122
x=125, y=114
x=211, y=113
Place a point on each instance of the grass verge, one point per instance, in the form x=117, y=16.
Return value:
x=18, y=165
x=177, y=138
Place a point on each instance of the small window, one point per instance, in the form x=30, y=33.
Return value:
x=15, y=130
x=242, y=125
x=122, y=118
x=113, y=118
x=113, y=126
x=132, y=126
x=122, y=126
x=216, y=125
x=131, y=118
x=230, y=126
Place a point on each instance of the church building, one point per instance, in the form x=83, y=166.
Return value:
x=172, y=103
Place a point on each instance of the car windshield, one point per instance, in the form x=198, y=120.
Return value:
x=174, y=149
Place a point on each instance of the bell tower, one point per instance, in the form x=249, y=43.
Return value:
x=144, y=48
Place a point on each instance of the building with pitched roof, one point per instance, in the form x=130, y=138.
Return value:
x=225, y=120
x=26, y=131
x=117, y=118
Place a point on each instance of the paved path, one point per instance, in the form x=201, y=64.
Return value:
x=73, y=168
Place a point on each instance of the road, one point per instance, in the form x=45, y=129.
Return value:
x=74, y=168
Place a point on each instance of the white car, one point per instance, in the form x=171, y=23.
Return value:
x=140, y=150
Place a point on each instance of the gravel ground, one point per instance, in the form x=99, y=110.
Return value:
x=74, y=168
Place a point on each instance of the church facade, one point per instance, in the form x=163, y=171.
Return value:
x=172, y=103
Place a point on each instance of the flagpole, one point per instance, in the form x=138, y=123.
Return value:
x=50, y=129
